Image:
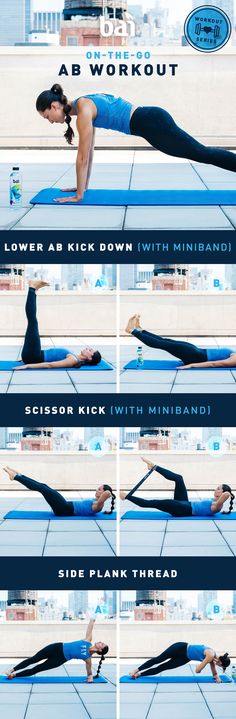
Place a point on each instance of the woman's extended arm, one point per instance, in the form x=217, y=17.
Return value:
x=229, y=362
x=214, y=672
x=217, y=506
x=89, y=632
x=99, y=504
x=88, y=663
x=85, y=129
x=69, y=361
x=90, y=163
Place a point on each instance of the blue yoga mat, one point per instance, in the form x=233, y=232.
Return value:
x=50, y=680
x=139, y=197
x=134, y=514
x=18, y=514
x=174, y=679
x=11, y=364
x=164, y=364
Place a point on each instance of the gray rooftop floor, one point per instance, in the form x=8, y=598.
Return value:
x=173, y=538
x=50, y=538
x=58, y=701
x=176, y=701
x=145, y=169
x=175, y=381
x=58, y=382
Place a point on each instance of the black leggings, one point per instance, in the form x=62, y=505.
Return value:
x=53, y=656
x=185, y=351
x=32, y=352
x=160, y=130
x=177, y=655
x=60, y=506
x=177, y=507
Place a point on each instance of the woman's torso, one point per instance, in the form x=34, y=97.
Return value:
x=76, y=650
x=84, y=507
x=219, y=353
x=55, y=354
x=202, y=507
x=113, y=113
x=196, y=651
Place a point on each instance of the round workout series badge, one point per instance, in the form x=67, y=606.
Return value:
x=207, y=28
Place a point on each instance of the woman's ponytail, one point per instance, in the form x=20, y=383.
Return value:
x=45, y=100
x=227, y=488
x=104, y=651
x=107, y=488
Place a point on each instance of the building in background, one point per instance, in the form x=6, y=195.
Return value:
x=110, y=601
x=81, y=22
x=15, y=21
x=109, y=272
x=204, y=600
x=150, y=605
x=38, y=439
x=78, y=603
x=72, y=276
x=49, y=20
x=22, y=605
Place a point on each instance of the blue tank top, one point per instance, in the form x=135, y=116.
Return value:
x=202, y=507
x=196, y=651
x=83, y=507
x=219, y=353
x=55, y=354
x=76, y=650
x=113, y=113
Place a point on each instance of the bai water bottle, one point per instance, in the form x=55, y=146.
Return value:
x=140, y=359
x=15, y=188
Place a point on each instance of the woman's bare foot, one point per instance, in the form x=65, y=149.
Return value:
x=37, y=284
x=148, y=463
x=10, y=675
x=138, y=325
x=11, y=472
x=123, y=495
x=132, y=324
x=135, y=674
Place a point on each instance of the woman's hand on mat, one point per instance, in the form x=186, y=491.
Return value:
x=198, y=669
x=22, y=366
x=186, y=366
x=90, y=679
x=11, y=472
x=217, y=679
x=148, y=463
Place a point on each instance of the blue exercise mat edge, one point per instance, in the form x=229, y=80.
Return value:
x=167, y=365
x=50, y=680
x=103, y=197
x=157, y=515
x=173, y=679
x=20, y=514
x=10, y=365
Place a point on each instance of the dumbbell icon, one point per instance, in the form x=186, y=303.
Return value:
x=207, y=29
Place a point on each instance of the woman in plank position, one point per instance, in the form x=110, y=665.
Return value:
x=58, y=653
x=181, y=653
x=61, y=506
x=180, y=505
x=189, y=354
x=54, y=357
x=154, y=124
